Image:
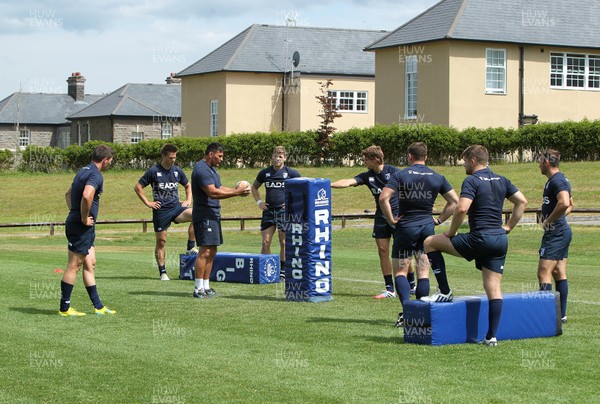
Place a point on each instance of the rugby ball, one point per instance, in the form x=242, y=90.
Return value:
x=243, y=184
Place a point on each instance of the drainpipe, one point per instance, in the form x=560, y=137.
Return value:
x=521, y=84
x=533, y=119
x=283, y=103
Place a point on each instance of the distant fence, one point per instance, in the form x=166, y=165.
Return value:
x=344, y=218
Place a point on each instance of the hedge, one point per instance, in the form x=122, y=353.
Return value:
x=575, y=140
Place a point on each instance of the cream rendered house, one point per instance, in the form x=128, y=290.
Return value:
x=490, y=63
x=266, y=78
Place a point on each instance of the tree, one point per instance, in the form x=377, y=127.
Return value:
x=329, y=112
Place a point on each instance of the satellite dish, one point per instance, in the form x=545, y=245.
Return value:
x=296, y=59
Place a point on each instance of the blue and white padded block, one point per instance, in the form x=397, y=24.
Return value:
x=524, y=315
x=308, y=240
x=235, y=267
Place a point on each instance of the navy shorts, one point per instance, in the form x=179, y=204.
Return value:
x=555, y=245
x=273, y=217
x=208, y=232
x=162, y=218
x=488, y=250
x=381, y=228
x=409, y=240
x=80, y=237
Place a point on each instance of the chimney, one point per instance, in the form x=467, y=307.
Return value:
x=75, y=86
x=172, y=79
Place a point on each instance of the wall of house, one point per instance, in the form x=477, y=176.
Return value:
x=100, y=129
x=433, y=78
x=253, y=102
x=196, y=93
x=389, y=86
x=555, y=105
x=311, y=108
x=432, y=84
x=469, y=104
x=9, y=138
x=151, y=127
x=41, y=135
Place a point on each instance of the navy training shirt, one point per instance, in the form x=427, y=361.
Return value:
x=164, y=184
x=204, y=206
x=88, y=175
x=417, y=188
x=274, y=181
x=555, y=184
x=487, y=190
x=376, y=182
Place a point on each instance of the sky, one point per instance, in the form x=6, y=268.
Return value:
x=112, y=43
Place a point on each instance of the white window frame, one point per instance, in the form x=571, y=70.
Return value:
x=214, y=118
x=136, y=136
x=495, y=71
x=566, y=74
x=411, y=87
x=350, y=101
x=166, y=130
x=24, y=138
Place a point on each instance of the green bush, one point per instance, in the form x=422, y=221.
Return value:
x=7, y=159
x=42, y=159
x=575, y=141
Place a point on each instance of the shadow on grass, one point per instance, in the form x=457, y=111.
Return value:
x=161, y=293
x=334, y=294
x=254, y=297
x=395, y=339
x=35, y=311
x=348, y=320
x=127, y=277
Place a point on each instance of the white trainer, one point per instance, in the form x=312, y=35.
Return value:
x=489, y=342
x=164, y=277
x=438, y=297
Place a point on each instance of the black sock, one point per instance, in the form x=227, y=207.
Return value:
x=438, y=266
x=562, y=287
x=403, y=288
x=545, y=286
x=495, y=311
x=411, y=279
x=162, y=269
x=65, y=295
x=282, y=268
x=191, y=244
x=422, y=288
x=93, y=293
x=389, y=282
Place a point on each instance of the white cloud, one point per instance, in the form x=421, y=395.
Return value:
x=115, y=42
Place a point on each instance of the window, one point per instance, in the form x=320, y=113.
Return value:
x=166, y=130
x=576, y=71
x=556, y=71
x=214, y=118
x=24, y=137
x=594, y=71
x=137, y=137
x=350, y=101
x=410, y=91
x=495, y=71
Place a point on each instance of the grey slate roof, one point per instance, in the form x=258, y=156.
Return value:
x=269, y=48
x=566, y=23
x=41, y=109
x=137, y=100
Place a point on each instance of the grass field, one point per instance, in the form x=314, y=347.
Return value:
x=249, y=344
x=40, y=198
